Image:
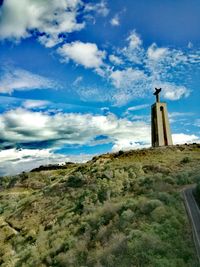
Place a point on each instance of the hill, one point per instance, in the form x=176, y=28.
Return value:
x=122, y=209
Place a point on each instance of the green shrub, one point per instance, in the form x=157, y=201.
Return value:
x=159, y=214
x=165, y=198
x=144, y=247
x=186, y=160
x=147, y=206
x=76, y=180
x=127, y=215
x=169, y=180
x=183, y=178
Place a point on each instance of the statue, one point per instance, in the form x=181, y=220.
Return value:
x=157, y=92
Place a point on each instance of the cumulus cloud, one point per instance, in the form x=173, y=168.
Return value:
x=21, y=126
x=182, y=138
x=20, y=80
x=19, y=19
x=86, y=54
x=126, y=145
x=25, y=154
x=30, y=129
x=14, y=161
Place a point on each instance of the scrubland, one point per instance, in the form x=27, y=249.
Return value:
x=122, y=209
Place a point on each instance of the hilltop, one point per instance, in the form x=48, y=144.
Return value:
x=121, y=209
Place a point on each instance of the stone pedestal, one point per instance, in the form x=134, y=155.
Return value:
x=160, y=128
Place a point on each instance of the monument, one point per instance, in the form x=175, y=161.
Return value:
x=160, y=128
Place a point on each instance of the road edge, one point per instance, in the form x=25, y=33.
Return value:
x=194, y=231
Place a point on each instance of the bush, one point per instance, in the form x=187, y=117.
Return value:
x=121, y=152
x=147, y=206
x=75, y=180
x=165, y=198
x=186, y=160
x=159, y=214
x=144, y=247
x=127, y=215
x=183, y=178
x=169, y=180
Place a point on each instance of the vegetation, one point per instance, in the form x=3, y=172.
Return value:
x=122, y=209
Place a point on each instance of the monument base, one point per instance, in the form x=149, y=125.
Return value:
x=161, y=134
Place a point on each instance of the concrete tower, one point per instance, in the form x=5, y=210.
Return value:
x=160, y=128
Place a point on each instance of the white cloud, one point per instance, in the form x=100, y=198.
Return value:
x=100, y=8
x=139, y=107
x=21, y=80
x=190, y=45
x=180, y=114
x=30, y=104
x=14, y=161
x=115, y=60
x=185, y=138
x=23, y=126
x=197, y=123
x=155, y=53
x=194, y=58
x=134, y=40
x=115, y=21
x=50, y=18
x=130, y=83
x=126, y=145
x=17, y=154
x=181, y=117
x=91, y=93
x=133, y=52
x=156, y=66
x=124, y=78
x=78, y=80
x=105, y=110
x=144, y=118
x=174, y=92
x=86, y=54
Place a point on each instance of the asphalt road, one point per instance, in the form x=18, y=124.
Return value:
x=194, y=216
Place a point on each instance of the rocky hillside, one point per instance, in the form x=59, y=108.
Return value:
x=122, y=209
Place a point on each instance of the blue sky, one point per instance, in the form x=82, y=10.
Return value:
x=77, y=77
